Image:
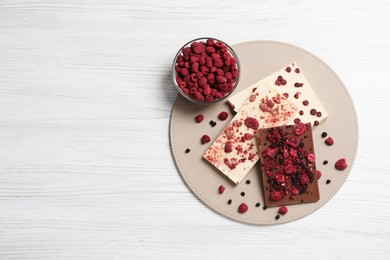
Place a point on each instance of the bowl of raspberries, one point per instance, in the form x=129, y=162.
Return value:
x=206, y=70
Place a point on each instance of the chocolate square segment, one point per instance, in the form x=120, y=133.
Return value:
x=288, y=165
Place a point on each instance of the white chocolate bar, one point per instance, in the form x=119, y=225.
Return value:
x=290, y=89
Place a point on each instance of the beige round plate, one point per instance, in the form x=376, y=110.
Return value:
x=259, y=59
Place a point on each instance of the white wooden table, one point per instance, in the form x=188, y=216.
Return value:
x=85, y=98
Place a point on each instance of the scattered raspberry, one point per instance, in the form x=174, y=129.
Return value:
x=276, y=195
x=199, y=118
x=243, y=208
x=305, y=102
x=283, y=210
x=313, y=112
x=297, y=121
x=221, y=189
x=341, y=164
x=329, y=141
x=205, y=139
x=288, y=69
x=223, y=115
x=297, y=70
x=251, y=122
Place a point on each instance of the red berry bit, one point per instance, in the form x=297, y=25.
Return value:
x=319, y=174
x=243, y=208
x=205, y=139
x=199, y=118
x=297, y=70
x=283, y=210
x=276, y=195
x=223, y=115
x=329, y=141
x=341, y=164
x=221, y=189
x=228, y=147
x=301, y=129
x=288, y=69
x=313, y=112
x=251, y=122
x=298, y=85
x=305, y=102
x=297, y=121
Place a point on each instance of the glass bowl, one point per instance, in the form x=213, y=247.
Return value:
x=174, y=73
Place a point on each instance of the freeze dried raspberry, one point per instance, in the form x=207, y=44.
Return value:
x=341, y=164
x=199, y=118
x=311, y=157
x=301, y=129
x=252, y=123
x=280, y=178
x=210, y=49
x=304, y=179
x=297, y=121
x=329, y=141
x=319, y=174
x=283, y=210
x=243, y=208
x=276, y=195
x=223, y=115
x=221, y=189
x=295, y=191
x=228, y=147
x=205, y=139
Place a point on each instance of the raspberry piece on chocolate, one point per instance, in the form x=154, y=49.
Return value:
x=221, y=189
x=243, y=208
x=329, y=141
x=223, y=115
x=252, y=123
x=319, y=174
x=341, y=164
x=276, y=195
x=199, y=118
x=301, y=129
x=205, y=139
x=311, y=157
x=228, y=147
x=283, y=210
x=304, y=179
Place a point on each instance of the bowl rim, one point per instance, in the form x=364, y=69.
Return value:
x=174, y=73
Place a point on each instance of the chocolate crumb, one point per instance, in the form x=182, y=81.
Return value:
x=325, y=162
x=328, y=181
x=277, y=217
x=258, y=204
x=248, y=182
x=243, y=194
x=265, y=207
x=229, y=202
x=212, y=123
x=188, y=150
x=324, y=134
